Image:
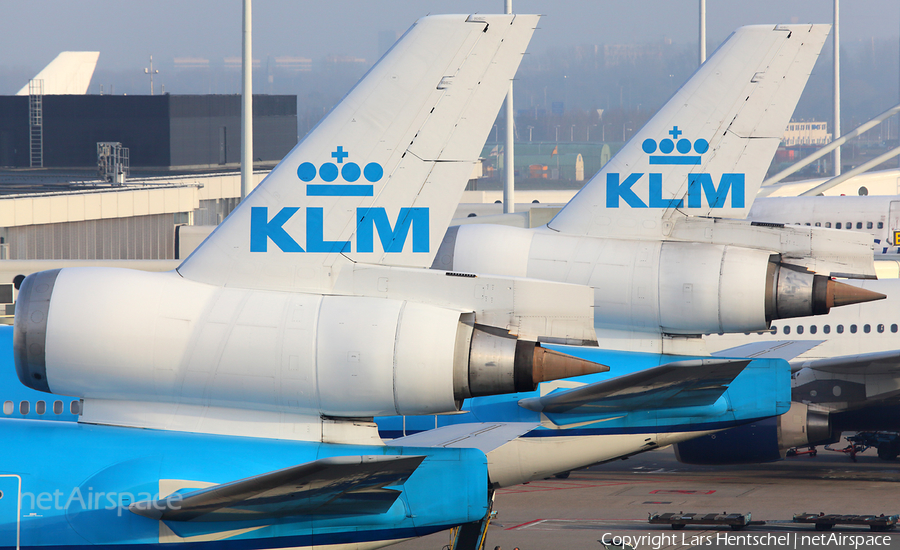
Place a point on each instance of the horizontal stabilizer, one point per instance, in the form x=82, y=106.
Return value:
x=329, y=486
x=690, y=383
x=484, y=436
x=879, y=362
x=779, y=349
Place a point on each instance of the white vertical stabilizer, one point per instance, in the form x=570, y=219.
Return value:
x=378, y=180
x=69, y=74
x=706, y=151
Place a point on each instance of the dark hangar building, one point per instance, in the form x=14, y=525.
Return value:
x=164, y=132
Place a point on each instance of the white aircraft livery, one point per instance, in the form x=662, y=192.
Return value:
x=646, y=232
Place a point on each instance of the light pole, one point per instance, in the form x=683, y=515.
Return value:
x=572, y=133
x=557, y=132
x=151, y=72
x=530, y=128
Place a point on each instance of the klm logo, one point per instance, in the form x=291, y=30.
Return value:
x=699, y=184
x=369, y=220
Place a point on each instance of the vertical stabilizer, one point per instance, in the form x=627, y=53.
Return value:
x=378, y=180
x=69, y=74
x=706, y=151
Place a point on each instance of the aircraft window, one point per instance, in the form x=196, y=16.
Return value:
x=867, y=329
x=818, y=224
x=880, y=328
x=863, y=191
x=24, y=407
x=40, y=407
x=837, y=225
x=859, y=225
x=880, y=225
x=812, y=329
x=868, y=225
x=828, y=224
x=787, y=329
x=57, y=407
x=849, y=225
x=826, y=329
x=807, y=223
x=774, y=329
x=894, y=328
x=75, y=407
x=852, y=329
x=840, y=329
x=9, y=406
x=799, y=329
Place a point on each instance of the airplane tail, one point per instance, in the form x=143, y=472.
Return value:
x=376, y=181
x=69, y=73
x=706, y=151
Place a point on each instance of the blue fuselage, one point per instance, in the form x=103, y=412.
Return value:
x=74, y=483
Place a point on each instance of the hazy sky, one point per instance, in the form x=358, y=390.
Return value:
x=32, y=32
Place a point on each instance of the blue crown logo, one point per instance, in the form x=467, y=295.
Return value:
x=683, y=146
x=350, y=172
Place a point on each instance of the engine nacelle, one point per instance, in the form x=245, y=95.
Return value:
x=763, y=441
x=678, y=287
x=118, y=334
x=719, y=288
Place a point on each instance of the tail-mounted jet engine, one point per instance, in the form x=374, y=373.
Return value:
x=118, y=334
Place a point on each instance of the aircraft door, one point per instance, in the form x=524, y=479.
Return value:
x=10, y=514
x=892, y=239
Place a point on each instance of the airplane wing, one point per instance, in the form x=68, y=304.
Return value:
x=687, y=383
x=417, y=120
x=879, y=362
x=705, y=153
x=778, y=349
x=335, y=485
x=484, y=436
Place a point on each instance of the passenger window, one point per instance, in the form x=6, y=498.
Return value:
x=24, y=407
x=840, y=329
x=894, y=327
x=826, y=329
x=828, y=224
x=799, y=329
x=40, y=407
x=813, y=329
x=57, y=407
x=9, y=407
x=818, y=224
x=859, y=225
x=807, y=224
x=787, y=329
x=868, y=225
x=774, y=330
x=880, y=225
x=837, y=225
x=880, y=328
x=849, y=225
x=75, y=407
x=852, y=329
x=867, y=329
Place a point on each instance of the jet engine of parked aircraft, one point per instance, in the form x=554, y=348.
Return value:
x=118, y=334
x=762, y=441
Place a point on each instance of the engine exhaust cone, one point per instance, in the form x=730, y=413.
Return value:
x=841, y=294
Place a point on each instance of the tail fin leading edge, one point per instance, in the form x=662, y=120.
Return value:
x=706, y=151
x=378, y=180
